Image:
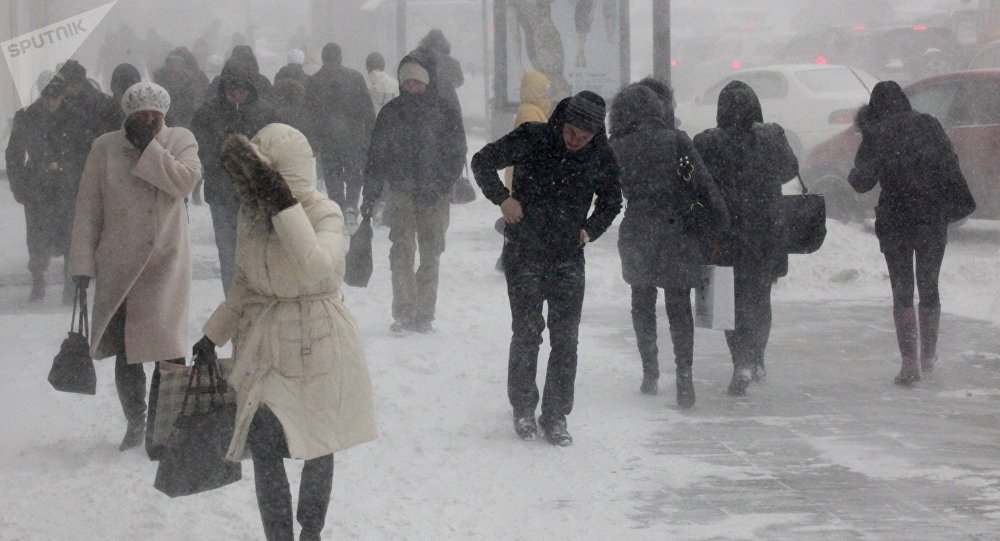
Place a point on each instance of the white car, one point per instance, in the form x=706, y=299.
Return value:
x=812, y=102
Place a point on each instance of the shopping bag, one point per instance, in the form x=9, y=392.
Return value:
x=166, y=398
x=195, y=456
x=800, y=222
x=358, y=267
x=72, y=368
x=715, y=300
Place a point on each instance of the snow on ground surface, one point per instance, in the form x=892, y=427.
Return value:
x=826, y=448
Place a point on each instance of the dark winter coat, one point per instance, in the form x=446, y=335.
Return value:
x=184, y=91
x=219, y=117
x=449, y=70
x=46, y=154
x=291, y=71
x=749, y=161
x=341, y=110
x=288, y=99
x=244, y=58
x=653, y=245
x=908, y=154
x=418, y=145
x=555, y=187
x=101, y=113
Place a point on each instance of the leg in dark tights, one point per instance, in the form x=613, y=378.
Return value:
x=644, y=323
x=900, y=263
x=678, y=303
x=314, y=496
x=753, y=323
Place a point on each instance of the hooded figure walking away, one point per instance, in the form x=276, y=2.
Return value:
x=130, y=233
x=909, y=155
x=657, y=249
x=559, y=168
x=418, y=149
x=236, y=107
x=302, y=384
x=749, y=161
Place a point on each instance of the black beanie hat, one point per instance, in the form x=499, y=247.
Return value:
x=586, y=111
x=72, y=71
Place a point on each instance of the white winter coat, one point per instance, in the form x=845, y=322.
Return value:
x=297, y=347
x=130, y=232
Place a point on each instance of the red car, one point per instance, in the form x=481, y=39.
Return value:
x=968, y=106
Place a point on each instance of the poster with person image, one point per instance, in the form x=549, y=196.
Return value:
x=578, y=44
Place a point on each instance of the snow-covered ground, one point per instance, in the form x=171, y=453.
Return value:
x=447, y=464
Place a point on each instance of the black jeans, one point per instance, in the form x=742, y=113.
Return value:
x=531, y=282
x=752, y=284
x=678, y=305
x=901, y=274
x=268, y=448
x=342, y=176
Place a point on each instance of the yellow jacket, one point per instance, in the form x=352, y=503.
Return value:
x=534, y=107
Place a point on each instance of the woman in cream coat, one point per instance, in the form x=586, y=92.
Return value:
x=302, y=384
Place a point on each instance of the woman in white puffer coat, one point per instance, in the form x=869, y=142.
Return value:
x=300, y=375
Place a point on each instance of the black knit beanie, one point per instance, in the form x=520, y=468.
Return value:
x=586, y=111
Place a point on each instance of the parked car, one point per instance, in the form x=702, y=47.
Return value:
x=968, y=106
x=900, y=53
x=802, y=98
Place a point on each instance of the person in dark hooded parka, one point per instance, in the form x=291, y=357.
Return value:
x=906, y=152
x=343, y=118
x=449, y=70
x=749, y=161
x=235, y=108
x=417, y=148
x=243, y=56
x=656, y=250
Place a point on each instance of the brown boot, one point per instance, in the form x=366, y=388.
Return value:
x=906, y=335
x=930, y=320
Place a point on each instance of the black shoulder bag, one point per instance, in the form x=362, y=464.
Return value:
x=800, y=221
x=73, y=369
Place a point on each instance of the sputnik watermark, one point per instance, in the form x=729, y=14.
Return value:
x=29, y=55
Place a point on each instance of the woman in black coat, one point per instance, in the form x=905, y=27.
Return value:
x=749, y=161
x=657, y=251
x=910, y=156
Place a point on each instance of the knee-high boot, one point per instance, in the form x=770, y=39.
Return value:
x=644, y=323
x=930, y=320
x=130, y=381
x=682, y=336
x=906, y=335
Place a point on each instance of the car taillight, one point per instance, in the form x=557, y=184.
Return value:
x=820, y=60
x=920, y=28
x=858, y=27
x=673, y=62
x=736, y=64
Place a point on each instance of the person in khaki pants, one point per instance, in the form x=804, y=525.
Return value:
x=417, y=147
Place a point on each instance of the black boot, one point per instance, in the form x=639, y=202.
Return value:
x=905, y=319
x=741, y=380
x=525, y=426
x=37, y=287
x=930, y=320
x=130, y=381
x=650, y=385
x=556, y=433
x=685, y=387
x=135, y=434
x=644, y=323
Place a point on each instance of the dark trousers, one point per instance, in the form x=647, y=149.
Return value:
x=678, y=305
x=901, y=274
x=748, y=341
x=47, y=229
x=530, y=283
x=342, y=176
x=268, y=448
x=224, y=223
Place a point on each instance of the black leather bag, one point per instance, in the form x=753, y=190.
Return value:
x=800, y=222
x=463, y=191
x=195, y=456
x=359, y=256
x=73, y=369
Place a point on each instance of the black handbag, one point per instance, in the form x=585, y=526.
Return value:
x=800, y=222
x=72, y=368
x=462, y=191
x=358, y=266
x=195, y=456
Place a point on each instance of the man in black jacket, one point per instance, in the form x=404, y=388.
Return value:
x=343, y=116
x=236, y=108
x=560, y=167
x=418, y=148
x=45, y=156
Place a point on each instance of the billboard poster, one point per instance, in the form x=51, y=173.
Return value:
x=578, y=44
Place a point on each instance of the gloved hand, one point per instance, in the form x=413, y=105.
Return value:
x=82, y=281
x=204, y=349
x=139, y=133
x=273, y=193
